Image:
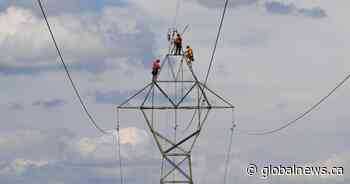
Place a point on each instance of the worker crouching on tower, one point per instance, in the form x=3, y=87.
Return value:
x=178, y=44
x=155, y=69
x=189, y=54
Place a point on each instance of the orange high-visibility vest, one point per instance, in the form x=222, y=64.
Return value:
x=190, y=52
x=178, y=40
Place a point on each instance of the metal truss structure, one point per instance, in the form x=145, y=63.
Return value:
x=178, y=99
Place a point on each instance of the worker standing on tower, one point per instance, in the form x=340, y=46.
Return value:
x=155, y=69
x=178, y=44
x=189, y=54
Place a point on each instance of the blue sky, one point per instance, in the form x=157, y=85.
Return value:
x=275, y=59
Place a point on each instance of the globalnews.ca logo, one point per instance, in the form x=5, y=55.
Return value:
x=294, y=170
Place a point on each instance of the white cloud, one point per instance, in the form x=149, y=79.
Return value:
x=16, y=140
x=301, y=3
x=133, y=136
x=232, y=3
x=22, y=33
x=134, y=143
x=89, y=38
x=20, y=166
x=96, y=155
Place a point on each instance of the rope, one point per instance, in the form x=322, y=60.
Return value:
x=176, y=121
x=152, y=107
x=228, y=156
x=304, y=114
x=92, y=120
x=119, y=150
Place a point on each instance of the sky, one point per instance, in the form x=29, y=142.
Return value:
x=274, y=60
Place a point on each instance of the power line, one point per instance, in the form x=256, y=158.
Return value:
x=228, y=154
x=178, y=5
x=92, y=120
x=215, y=44
x=301, y=116
x=305, y=113
x=213, y=53
x=216, y=41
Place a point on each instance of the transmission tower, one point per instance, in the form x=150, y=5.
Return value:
x=175, y=108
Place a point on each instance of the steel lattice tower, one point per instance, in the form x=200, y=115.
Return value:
x=177, y=99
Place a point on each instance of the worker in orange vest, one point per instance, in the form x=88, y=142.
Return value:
x=155, y=69
x=189, y=53
x=178, y=44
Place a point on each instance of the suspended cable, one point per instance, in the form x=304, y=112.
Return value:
x=78, y=94
x=216, y=41
x=178, y=5
x=119, y=149
x=206, y=81
x=228, y=155
x=215, y=48
x=304, y=114
x=215, y=45
x=92, y=120
x=176, y=121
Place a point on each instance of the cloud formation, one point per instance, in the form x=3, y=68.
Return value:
x=280, y=8
x=19, y=166
x=55, y=103
x=273, y=7
x=112, y=97
x=87, y=44
x=16, y=106
x=233, y=3
x=94, y=155
x=63, y=6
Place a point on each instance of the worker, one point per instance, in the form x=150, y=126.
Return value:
x=189, y=53
x=178, y=45
x=155, y=69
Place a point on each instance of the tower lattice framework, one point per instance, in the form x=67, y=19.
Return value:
x=175, y=108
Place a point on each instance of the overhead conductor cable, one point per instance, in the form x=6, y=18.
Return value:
x=92, y=120
x=78, y=94
x=304, y=114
